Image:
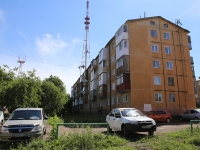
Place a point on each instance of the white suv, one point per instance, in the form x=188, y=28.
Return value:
x=24, y=124
x=130, y=120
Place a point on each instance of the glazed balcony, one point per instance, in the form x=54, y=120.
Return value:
x=93, y=64
x=123, y=83
x=123, y=65
x=102, y=91
x=93, y=95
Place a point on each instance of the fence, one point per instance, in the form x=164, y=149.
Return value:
x=191, y=127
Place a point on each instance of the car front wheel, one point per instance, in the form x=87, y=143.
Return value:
x=151, y=133
x=181, y=118
x=125, y=131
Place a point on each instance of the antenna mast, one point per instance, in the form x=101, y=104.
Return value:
x=21, y=62
x=86, y=47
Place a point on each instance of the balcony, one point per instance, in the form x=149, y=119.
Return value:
x=121, y=34
x=103, y=79
x=123, y=65
x=191, y=60
x=123, y=83
x=189, y=42
x=80, y=101
x=85, y=90
x=122, y=49
x=93, y=95
x=102, y=69
x=123, y=87
x=102, y=55
x=85, y=99
x=102, y=91
x=93, y=85
x=85, y=75
x=93, y=64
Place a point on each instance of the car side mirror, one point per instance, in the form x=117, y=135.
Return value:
x=45, y=117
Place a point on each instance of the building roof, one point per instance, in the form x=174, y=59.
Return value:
x=161, y=18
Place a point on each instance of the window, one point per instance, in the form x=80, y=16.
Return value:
x=156, y=64
x=169, y=65
x=120, y=80
x=154, y=48
x=104, y=102
x=113, y=86
x=100, y=103
x=126, y=98
x=166, y=35
x=119, y=62
x=153, y=33
x=108, y=101
x=199, y=83
x=158, y=97
x=170, y=81
x=172, y=98
x=108, y=87
x=113, y=45
x=112, y=58
x=165, y=25
x=152, y=22
x=118, y=99
x=113, y=100
x=108, y=74
x=157, y=80
x=125, y=43
x=113, y=72
x=168, y=50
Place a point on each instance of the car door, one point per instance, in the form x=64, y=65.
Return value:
x=118, y=120
x=192, y=114
x=156, y=116
x=186, y=115
x=162, y=116
x=110, y=118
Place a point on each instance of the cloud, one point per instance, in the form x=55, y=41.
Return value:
x=50, y=45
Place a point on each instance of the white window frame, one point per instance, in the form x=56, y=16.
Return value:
x=113, y=100
x=166, y=35
x=108, y=101
x=169, y=65
x=157, y=80
x=112, y=58
x=126, y=98
x=153, y=33
x=172, y=98
x=165, y=25
x=154, y=48
x=158, y=97
x=168, y=50
x=118, y=99
x=156, y=64
x=113, y=86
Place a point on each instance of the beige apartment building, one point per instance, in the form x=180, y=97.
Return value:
x=145, y=65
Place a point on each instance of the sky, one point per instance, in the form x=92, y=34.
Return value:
x=49, y=34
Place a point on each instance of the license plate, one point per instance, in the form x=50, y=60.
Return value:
x=146, y=127
x=19, y=134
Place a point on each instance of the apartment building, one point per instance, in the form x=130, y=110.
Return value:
x=145, y=65
x=197, y=94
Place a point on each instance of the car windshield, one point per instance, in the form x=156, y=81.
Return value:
x=131, y=113
x=26, y=115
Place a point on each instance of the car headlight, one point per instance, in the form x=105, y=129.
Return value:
x=4, y=129
x=133, y=122
x=153, y=122
x=37, y=128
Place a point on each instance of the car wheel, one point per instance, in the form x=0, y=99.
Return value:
x=196, y=118
x=168, y=120
x=181, y=118
x=125, y=131
x=151, y=133
x=45, y=131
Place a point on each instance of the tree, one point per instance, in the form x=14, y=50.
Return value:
x=53, y=99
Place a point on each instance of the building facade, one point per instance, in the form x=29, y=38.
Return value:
x=146, y=65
